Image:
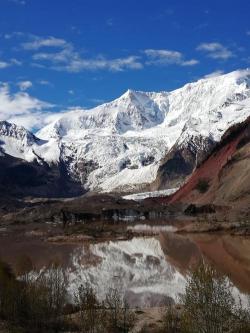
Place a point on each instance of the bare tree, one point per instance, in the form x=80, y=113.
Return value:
x=172, y=320
x=209, y=305
x=120, y=317
x=88, y=305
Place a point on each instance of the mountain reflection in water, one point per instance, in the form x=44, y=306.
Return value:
x=149, y=271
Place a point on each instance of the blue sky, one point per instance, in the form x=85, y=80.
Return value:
x=56, y=55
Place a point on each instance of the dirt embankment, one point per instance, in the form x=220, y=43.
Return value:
x=223, y=179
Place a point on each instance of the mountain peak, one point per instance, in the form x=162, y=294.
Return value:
x=129, y=94
x=17, y=132
x=122, y=143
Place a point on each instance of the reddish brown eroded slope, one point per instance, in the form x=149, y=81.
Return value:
x=228, y=163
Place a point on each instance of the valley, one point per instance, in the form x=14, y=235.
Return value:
x=124, y=166
x=134, y=194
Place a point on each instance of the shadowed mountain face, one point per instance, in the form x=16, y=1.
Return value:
x=21, y=178
x=180, y=162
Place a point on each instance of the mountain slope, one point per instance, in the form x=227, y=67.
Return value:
x=225, y=173
x=128, y=139
x=140, y=140
x=23, y=172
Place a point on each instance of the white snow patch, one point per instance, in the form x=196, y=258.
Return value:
x=153, y=194
x=152, y=229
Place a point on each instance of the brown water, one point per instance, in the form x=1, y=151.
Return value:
x=229, y=254
x=149, y=270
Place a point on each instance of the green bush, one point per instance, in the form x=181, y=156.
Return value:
x=203, y=185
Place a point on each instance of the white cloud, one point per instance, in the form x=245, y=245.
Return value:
x=163, y=57
x=61, y=55
x=23, y=109
x=4, y=64
x=214, y=74
x=167, y=57
x=35, y=121
x=116, y=65
x=67, y=58
x=17, y=34
x=71, y=61
x=119, y=64
x=215, y=50
x=15, y=62
x=248, y=32
x=39, y=42
x=190, y=62
x=11, y=62
x=24, y=85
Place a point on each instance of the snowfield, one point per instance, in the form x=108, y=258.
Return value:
x=122, y=143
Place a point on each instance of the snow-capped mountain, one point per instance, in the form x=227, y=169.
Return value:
x=121, y=145
x=17, y=141
x=26, y=166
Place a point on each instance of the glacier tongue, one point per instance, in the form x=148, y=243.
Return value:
x=120, y=145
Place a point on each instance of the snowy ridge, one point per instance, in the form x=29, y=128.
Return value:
x=17, y=132
x=19, y=142
x=133, y=111
x=120, y=145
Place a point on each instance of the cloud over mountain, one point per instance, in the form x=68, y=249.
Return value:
x=167, y=57
x=23, y=109
x=215, y=51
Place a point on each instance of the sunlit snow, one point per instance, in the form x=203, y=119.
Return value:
x=125, y=140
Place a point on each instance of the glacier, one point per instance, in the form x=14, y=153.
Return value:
x=121, y=143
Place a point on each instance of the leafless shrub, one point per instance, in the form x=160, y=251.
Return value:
x=33, y=304
x=209, y=305
x=110, y=316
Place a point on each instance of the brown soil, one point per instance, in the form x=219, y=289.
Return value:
x=227, y=172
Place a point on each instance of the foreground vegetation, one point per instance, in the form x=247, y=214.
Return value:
x=39, y=303
x=208, y=306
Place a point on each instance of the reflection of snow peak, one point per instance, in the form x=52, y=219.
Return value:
x=138, y=266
